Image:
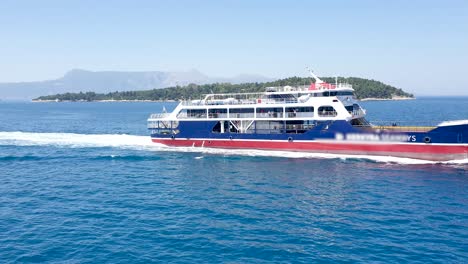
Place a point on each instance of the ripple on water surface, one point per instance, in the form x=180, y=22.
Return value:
x=119, y=205
x=93, y=195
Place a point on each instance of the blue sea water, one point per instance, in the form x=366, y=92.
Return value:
x=81, y=183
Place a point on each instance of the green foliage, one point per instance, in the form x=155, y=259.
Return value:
x=364, y=88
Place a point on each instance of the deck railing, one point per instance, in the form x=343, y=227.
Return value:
x=241, y=115
x=358, y=112
x=217, y=115
x=404, y=126
x=262, y=97
x=300, y=114
x=158, y=115
x=327, y=113
x=191, y=116
x=241, y=102
x=270, y=115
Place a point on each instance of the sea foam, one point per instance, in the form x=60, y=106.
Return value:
x=144, y=143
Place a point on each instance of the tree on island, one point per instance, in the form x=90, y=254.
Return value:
x=364, y=88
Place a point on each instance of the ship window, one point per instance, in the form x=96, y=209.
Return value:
x=192, y=113
x=270, y=112
x=335, y=93
x=327, y=111
x=282, y=97
x=217, y=113
x=299, y=112
x=299, y=126
x=164, y=127
x=241, y=112
x=269, y=127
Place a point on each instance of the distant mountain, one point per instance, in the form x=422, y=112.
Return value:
x=78, y=80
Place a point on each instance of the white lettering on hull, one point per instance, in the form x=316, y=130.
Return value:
x=375, y=137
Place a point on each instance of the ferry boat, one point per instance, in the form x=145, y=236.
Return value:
x=320, y=118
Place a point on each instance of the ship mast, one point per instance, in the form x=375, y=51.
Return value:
x=317, y=79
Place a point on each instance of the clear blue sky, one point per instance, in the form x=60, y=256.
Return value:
x=420, y=46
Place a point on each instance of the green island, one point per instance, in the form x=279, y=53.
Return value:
x=364, y=89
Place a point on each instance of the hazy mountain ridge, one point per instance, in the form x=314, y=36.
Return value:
x=78, y=80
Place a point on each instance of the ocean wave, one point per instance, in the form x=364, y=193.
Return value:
x=20, y=158
x=144, y=143
x=129, y=157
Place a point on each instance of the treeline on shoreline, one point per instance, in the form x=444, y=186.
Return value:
x=364, y=88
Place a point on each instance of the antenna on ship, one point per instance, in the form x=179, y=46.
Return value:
x=317, y=79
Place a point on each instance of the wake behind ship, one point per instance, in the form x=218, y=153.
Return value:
x=320, y=118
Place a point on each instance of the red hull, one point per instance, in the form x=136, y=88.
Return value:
x=434, y=152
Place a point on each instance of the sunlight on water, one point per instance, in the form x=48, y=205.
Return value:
x=144, y=143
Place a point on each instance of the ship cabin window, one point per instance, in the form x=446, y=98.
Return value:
x=336, y=93
x=241, y=113
x=330, y=93
x=192, y=113
x=297, y=112
x=164, y=127
x=217, y=113
x=299, y=126
x=269, y=127
x=327, y=111
x=270, y=112
x=287, y=98
x=163, y=124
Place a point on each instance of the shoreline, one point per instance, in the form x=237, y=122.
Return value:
x=103, y=101
x=387, y=99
